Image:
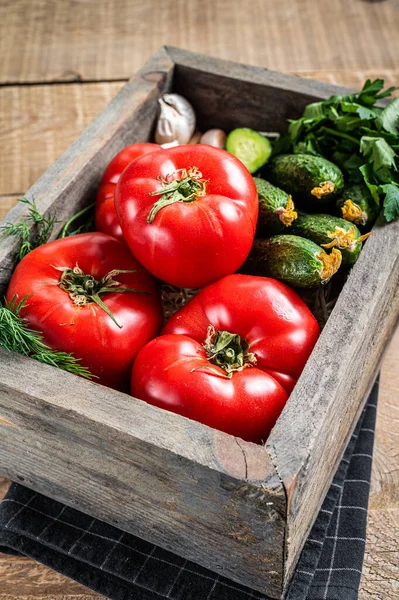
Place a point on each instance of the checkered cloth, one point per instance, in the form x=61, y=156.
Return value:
x=121, y=566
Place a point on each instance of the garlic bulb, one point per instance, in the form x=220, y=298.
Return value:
x=176, y=120
x=214, y=137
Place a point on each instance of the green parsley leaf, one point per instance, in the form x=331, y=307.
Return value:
x=367, y=172
x=378, y=151
x=314, y=110
x=389, y=117
x=355, y=133
x=391, y=201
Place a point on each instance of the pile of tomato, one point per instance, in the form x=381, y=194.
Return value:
x=185, y=216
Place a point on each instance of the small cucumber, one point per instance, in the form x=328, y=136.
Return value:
x=331, y=232
x=357, y=205
x=294, y=260
x=250, y=147
x=312, y=180
x=276, y=208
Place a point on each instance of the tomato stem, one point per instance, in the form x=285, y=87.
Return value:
x=83, y=289
x=190, y=186
x=228, y=351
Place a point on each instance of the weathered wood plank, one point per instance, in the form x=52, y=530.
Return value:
x=356, y=78
x=110, y=39
x=38, y=123
x=305, y=492
x=229, y=95
x=175, y=482
x=7, y=202
x=381, y=566
x=4, y=485
x=323, y=407
x=27, y=579
x=72, y=180
x=380, y=579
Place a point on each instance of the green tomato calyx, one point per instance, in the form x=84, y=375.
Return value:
x=187, y=188
x=227, y=351
x=84, y=289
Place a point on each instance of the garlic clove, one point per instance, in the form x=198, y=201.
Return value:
x=214, y=137
x=176, y=120
x=196, y=138
x=170, y=144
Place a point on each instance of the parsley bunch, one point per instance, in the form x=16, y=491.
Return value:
x=358, y=136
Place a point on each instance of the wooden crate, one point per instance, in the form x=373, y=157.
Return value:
x=237, y=508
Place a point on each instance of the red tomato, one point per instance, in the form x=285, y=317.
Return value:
x=69, y=318
x=196, y=368
x=188, y=213
x=106, y=218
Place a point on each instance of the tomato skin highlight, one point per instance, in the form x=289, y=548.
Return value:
x=277, y=325
x=245, y=406
x=173, y=372
x=189, y=244
x=106, y=218
x=88, y=332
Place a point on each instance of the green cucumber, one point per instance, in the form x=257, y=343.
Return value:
x=250, y=147
x=276, y=208
x=357, y=205
x=294, y=260
x=331, y=232
x=312, y=180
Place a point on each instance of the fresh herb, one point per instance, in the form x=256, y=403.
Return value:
x=84, y=224
x=28, y=236
x=360, y=137
x=17, y=336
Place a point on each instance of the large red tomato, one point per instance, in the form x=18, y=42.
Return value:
x=230, y=357
x=188, y=213
x=77, y=300
x=106, y=218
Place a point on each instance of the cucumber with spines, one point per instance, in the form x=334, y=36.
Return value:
x=276, y=208
x=313, y=180
x=357, y=205
x=331, y=232
x=292, y=259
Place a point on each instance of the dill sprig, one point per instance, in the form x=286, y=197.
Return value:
x=86, y=224
x=17, y=336
x=42, y=229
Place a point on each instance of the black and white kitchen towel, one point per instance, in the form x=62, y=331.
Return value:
x=123, y=567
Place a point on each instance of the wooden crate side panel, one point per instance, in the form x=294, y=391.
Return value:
x=228, y=95
x=203, y=494
x=311, y=434
x=71, y=182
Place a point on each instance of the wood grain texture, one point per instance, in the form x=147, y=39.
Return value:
x=72, y=180
x=77, y=40
x=323, y=408
x=7, y=202
x=228, y=95
x=55, y=38
x=4, y=485
x=203, y=494
x=29, y=144
x=380, y=578
x=25, y=578
x=299, y=440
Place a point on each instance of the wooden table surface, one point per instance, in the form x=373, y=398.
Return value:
x=61, y=63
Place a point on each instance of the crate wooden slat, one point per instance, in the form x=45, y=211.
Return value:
x=239, y=509
x=72, y=180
